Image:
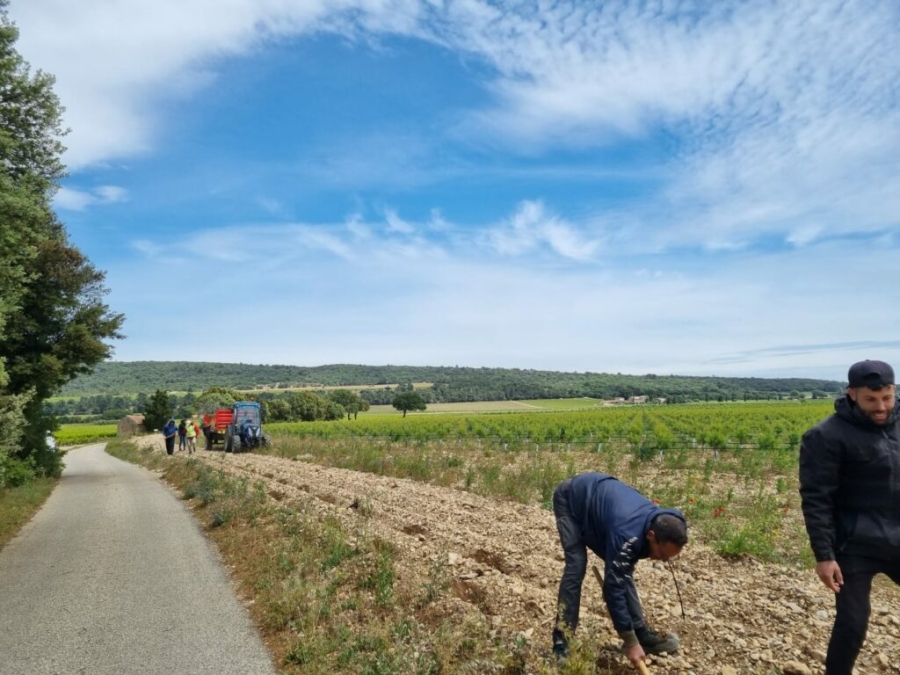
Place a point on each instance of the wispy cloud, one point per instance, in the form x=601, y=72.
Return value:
x=785, y=115
x=79, y=200
x=767, y=177
x=438, y=305
x=531, y=227
x=141, y=56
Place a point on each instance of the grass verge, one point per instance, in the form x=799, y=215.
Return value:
x=19, y=504
x=330, y=597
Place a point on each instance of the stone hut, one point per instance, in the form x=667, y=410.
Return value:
x=130, y=425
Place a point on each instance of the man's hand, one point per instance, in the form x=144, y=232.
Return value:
x=830, y=574
x=634, y=653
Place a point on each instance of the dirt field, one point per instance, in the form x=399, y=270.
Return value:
x=504, y=559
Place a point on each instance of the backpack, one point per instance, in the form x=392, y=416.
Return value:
x=182, y=429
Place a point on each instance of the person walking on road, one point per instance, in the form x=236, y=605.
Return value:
x=206, y=427
x=169, y=432
x=191, y=431
x=182, y=434
x=850, y=496
x=598, y=512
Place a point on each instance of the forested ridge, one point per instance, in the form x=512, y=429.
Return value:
x=448, y=383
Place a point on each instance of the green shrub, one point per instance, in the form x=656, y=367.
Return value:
x=15, y=472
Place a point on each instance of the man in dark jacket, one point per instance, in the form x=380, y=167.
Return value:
x=169, y=432
x=596, y=511
x=850, y=490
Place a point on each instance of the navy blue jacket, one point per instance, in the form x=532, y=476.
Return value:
x=614, y=519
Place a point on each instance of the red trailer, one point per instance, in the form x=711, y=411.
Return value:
x=218, y=426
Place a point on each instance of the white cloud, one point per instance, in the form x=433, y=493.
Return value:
x=78, y=200
x=735, y=315
x=396, y=224
x=116, y=62
x=785, y=115
x=780, y=125
x=531, y=226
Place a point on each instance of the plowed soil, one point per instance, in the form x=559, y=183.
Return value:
x=742, y=616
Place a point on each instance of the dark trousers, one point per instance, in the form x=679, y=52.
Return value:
x=853, y=608
x=170, y=445
x=569, y=598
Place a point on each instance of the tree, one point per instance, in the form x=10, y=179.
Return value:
x=277, y=410
x=409, y=400
x=350, y=402
x=61, y=323
x=157, y=410
x=215, y=398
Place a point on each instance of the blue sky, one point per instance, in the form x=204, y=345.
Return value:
x=635, y=187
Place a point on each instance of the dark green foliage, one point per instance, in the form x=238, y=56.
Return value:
x=215, y=398
x=409, y=400
x=352, y=403
x=17, y=472
x=53, y=290
x=449, y=384
x=158, y=411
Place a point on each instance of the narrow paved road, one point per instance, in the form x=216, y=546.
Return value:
x=113, y=576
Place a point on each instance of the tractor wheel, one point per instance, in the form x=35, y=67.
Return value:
x=236, y=443
x=226, y=444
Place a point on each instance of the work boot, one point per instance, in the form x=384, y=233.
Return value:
x=654, y=643
x=560, y=653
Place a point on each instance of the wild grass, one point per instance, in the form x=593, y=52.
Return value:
x=19, y=504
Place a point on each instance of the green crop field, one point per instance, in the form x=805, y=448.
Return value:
x=715, y=426
x=534, y=405
x=564, y=403
x=459, y=408
x=731, y=467
x=77, y=434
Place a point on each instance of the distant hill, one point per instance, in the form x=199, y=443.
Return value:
x=449, y=383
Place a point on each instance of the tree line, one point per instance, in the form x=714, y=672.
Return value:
x=447, y=384
x=54, y=324
x=297, y=406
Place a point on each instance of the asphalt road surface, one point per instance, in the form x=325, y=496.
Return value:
x=113, y=576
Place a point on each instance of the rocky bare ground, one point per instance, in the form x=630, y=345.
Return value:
x=742, y=616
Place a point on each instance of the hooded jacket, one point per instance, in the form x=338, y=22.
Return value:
x=850, y=484
x=614, y=520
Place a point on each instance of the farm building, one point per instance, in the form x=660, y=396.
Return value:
x=130, y=425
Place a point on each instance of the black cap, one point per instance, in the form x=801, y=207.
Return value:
x=871, y=374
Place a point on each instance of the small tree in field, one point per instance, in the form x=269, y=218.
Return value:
x=350, y=402
x=214, y=398
x=409, y=400
x=157, y=411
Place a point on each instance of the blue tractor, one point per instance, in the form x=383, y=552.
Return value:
x=245, y=431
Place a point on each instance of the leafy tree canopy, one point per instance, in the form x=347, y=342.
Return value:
x=409, y=400
x=157, y=411
x=61, y=324
x=352, y=403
